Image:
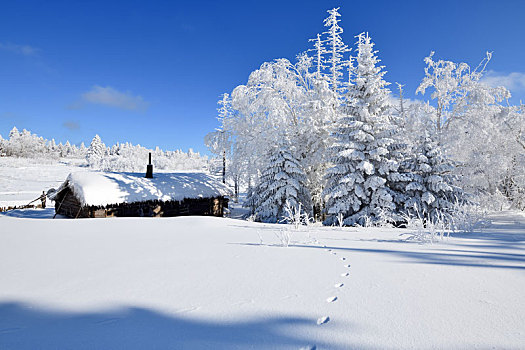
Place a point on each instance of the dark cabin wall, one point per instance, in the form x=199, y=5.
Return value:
x=68, y=205
x=197, y=206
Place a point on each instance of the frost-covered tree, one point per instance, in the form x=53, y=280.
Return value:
x=279, y=96
x=82, y=149
x=66, y=149
x=25, y=144
x=357, y=183
x=319, y=52
x=336, y=49
x=349, y=127
x=474, y=126
x=282, y=183
x=96, y=151
x=119, y=157
x=14, y=133
x=451, y=84
x=431, y=189
x=275, y=98
x=3, y=146
x=219, y=142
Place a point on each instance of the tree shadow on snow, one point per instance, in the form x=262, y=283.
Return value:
x=451, y=257
x=25, y=327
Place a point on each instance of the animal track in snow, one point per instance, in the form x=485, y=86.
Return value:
x=339, y=285
x=323, y=320
x=345, y=274
x=347, y=265
x=343, y=259
x=331, y=299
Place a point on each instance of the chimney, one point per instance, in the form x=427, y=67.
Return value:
x=149, y=169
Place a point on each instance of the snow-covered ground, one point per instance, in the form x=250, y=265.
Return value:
x=217, y=283
x=22, y=179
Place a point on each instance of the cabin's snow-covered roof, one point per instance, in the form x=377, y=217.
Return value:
x=101, y=188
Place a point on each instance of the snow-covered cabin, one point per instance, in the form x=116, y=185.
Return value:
x=105, y=194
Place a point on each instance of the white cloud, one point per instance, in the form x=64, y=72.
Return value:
x=394, y=100
x=25, y=50
x=514, y=81
x=109, y=96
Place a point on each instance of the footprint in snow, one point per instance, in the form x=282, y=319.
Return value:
x=347, y=265
x=331, y=299
x=343, y=259
x=345, y=274
x=339, y=285
x=323, y=320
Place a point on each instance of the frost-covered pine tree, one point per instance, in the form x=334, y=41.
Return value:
x=319, y=51
x=82, y=149
x=336, y=48
x=66, y=149
x=282, y=182
x=432, y=190
x=96, y=151
x=14, y=133
x=357, y=185
x=3, y=146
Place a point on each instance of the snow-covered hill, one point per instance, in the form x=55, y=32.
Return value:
x=215, y=283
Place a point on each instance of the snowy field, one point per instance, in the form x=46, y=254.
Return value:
x=217, y=283
x=22, y=179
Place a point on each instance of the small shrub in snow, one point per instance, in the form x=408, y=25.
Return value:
x=340, y=220
x=284, y=235
x=469, y=217
x=295, y=216
x=426, y=229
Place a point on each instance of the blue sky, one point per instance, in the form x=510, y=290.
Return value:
x=151, y=72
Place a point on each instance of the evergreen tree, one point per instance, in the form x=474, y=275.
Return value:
x=96, y=151
x=251, y=199
x=336, y=48
x=320, y=51
x=67, y=149
x=3, y=146
x=282, y=181
x=431, y=190
x=14, y=133
x=357, y=183
x=82, y=149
